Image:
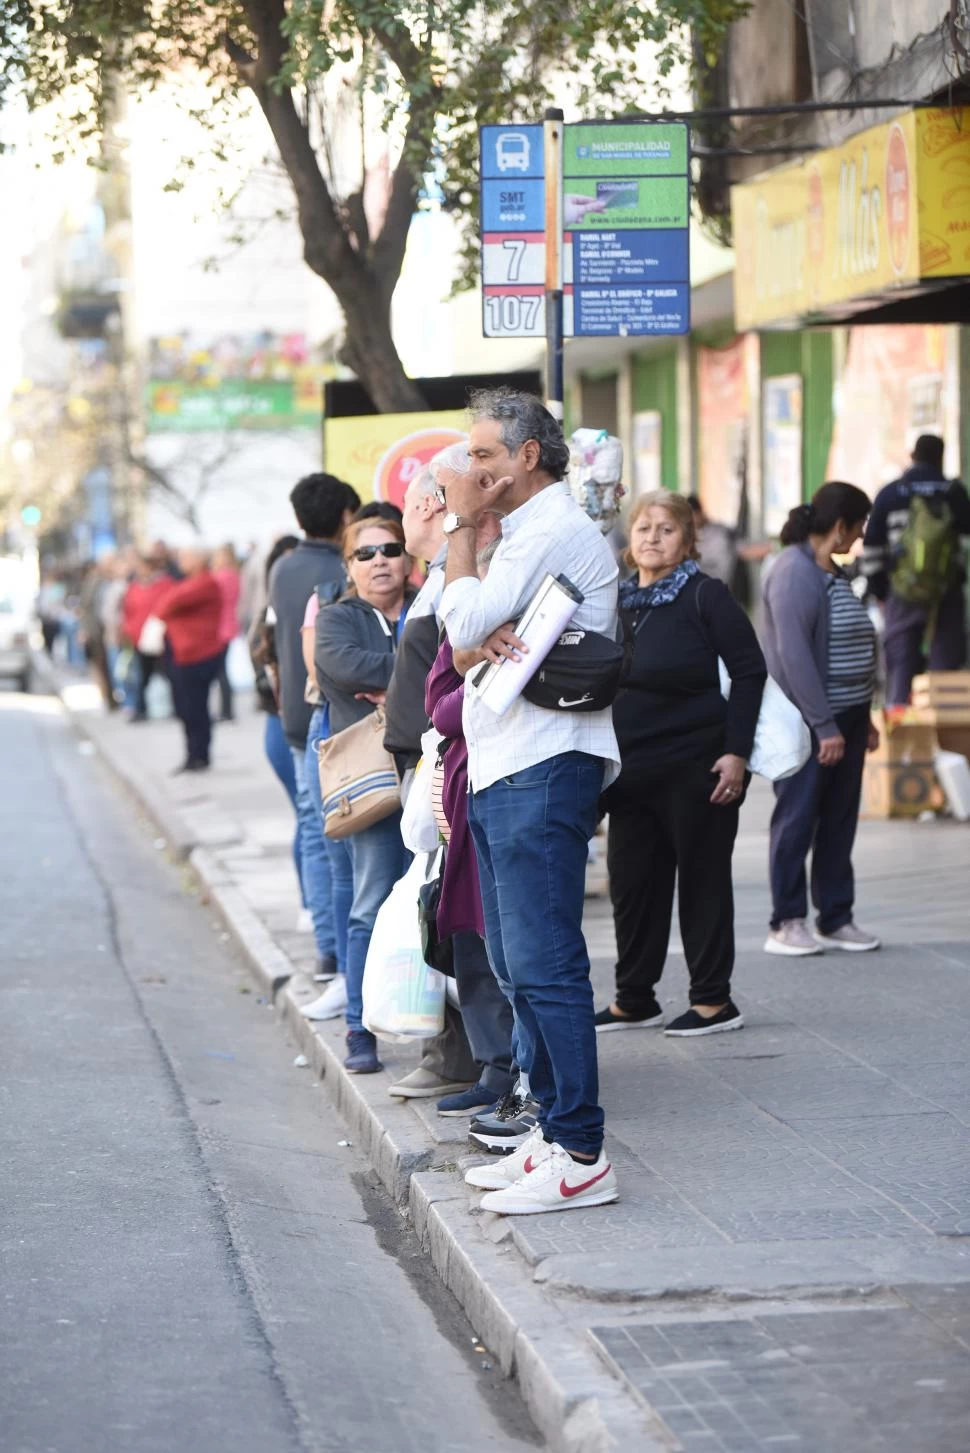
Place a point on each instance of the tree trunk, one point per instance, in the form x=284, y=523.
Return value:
x=362, y=285
x=369, y=349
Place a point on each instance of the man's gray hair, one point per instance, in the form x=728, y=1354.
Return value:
x=453, y=457
x=524, y=417
x=425, y=481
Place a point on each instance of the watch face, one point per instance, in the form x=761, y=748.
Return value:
x=451, y=522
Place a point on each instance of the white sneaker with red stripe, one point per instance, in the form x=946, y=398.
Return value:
x=556, y=1183
x=502, y=1173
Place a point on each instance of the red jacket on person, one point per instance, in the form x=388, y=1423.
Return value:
x=141, y=600
x=192, y=612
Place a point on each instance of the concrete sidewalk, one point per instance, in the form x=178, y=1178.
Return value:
x=788, y=1192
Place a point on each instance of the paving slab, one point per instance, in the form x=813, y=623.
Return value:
x=878, y=1379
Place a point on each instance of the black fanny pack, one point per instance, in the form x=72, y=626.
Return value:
x=583, y=672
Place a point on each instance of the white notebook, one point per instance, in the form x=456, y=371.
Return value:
x=541, y=624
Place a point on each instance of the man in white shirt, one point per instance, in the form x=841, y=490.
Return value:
x=535, y=778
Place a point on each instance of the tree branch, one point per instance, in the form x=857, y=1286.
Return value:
x=327, y=248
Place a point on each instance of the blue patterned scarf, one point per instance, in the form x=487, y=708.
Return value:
x=636, y=597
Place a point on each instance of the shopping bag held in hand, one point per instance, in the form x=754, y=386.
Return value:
x=151, y=641
x=418, y=827
x=782, y=740
x=358, y=779
x=404, y=998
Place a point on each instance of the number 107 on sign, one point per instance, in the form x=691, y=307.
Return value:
x=514, y=311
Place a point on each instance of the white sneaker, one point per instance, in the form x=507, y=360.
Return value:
x=853, y=940
x=793, y=939
x=304, y=921
x=557, y=1183
x=504, y=1173
x=331, y=1003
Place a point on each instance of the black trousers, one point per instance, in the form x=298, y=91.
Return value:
x=663, y=826
x=817, y=811
x=190, y=688
x=225, y=688
x=147, y=667
x=479, y=1045
x=904, y=638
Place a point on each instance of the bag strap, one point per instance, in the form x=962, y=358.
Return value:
x=705, y=630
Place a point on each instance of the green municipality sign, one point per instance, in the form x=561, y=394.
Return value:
x=624, y=149
x=178, y=407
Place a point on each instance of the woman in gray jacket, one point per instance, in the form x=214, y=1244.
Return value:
x=820, y=647
x=356, y=638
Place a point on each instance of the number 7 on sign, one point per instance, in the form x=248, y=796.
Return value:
x=514, y=247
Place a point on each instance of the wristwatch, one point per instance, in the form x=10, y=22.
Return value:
x=453, y=522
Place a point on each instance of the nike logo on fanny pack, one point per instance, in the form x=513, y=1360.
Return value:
x=583, y=1186
x=577, y=701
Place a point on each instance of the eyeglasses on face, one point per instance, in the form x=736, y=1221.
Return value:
x=391, y=550
x=439, y=495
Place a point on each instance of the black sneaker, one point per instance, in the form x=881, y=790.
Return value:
x=692, y=1024
x=507, y=1126
x=606, y=1020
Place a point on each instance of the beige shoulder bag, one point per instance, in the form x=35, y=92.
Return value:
x=358, y=778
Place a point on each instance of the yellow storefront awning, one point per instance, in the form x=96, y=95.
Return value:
x=882, y=216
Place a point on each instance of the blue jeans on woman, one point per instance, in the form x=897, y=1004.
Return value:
x=315, y=864
x=338, y=853
x=532, y=832
x=280, y=758
x=379, y=858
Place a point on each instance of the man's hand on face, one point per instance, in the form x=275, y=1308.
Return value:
x=471, y=495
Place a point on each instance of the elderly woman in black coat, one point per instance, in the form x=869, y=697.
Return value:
x=684, y=748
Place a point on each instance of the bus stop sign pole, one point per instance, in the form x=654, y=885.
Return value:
x=553, y=137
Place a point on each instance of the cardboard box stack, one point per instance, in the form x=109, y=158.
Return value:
x=900, y=780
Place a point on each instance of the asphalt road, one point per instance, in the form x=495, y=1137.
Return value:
x=190, y=1260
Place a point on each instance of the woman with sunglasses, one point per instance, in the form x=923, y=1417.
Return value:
x=356, y=639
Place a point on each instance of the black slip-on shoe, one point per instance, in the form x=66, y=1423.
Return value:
x=691, y=1025
x=606, y=1021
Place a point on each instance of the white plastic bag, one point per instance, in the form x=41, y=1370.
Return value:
x=418, y=827
x=151, y=640
x=782, y=740
x=404, y=999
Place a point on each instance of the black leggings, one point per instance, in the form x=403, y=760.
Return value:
x=663, y=825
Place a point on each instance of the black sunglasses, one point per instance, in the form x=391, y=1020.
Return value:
x=390, y=551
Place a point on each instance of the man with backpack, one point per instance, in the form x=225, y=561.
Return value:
x=913, y=561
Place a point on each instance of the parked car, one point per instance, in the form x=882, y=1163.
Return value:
x=15, y=659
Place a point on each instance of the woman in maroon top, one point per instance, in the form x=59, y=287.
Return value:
x=192, y=612
x=486, y=1012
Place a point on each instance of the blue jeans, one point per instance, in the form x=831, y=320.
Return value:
x=379, y=858
x=338, y=853
x=532, y=833
x=280, y=758
x=314, y=863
